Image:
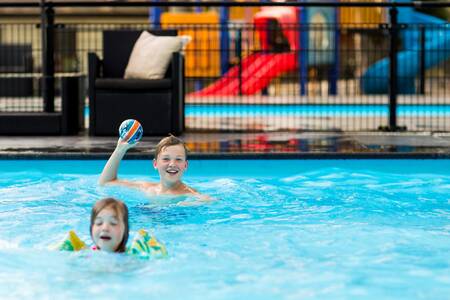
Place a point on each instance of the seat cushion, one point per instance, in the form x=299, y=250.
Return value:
x=151, y=56
x=132, y=84
x=116, y=54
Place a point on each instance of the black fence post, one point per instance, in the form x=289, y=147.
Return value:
x=393, y=13
x=422, y=60
x=48, y=49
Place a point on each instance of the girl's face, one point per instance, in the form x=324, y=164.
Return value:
x=171, y=163
x=108, y=230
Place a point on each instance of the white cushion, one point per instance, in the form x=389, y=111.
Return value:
x=151, y=56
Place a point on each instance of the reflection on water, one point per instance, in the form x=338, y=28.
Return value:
x=311, y=143
x=265, y=144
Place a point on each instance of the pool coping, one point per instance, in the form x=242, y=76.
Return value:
x=230, y=156
x=233, y=146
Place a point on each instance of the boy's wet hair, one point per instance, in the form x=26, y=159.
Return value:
x=121, y=210
x=170, y=141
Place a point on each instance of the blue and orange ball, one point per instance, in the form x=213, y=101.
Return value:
x=131, y=131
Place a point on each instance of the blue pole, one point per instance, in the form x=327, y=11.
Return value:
x=224, y=40
x=303, y=50
x=154, y=16
x=197, y=9
x=334, y=72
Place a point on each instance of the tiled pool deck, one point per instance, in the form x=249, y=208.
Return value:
x=252, y=146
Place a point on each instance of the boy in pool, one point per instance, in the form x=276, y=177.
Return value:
x=109, y=225
x=170, y=161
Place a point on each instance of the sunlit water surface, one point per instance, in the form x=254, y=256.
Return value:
x=289, y=229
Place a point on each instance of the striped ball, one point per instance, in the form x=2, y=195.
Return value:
x=131, y=131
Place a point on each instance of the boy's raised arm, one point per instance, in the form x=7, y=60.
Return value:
x=109, y=173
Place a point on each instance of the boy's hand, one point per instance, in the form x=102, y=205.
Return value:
x=124, y=146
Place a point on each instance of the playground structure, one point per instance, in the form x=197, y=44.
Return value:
x=284, y=48
x=277, y=52
x=257, y=70
x=277, y=28
x=436, y=49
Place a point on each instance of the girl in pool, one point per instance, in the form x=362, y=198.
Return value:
x=109, y=225
x=170, y=161
x=109, y=232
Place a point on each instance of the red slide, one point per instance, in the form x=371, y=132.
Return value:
x=257, y=71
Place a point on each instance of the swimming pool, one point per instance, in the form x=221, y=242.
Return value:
x=290, y=229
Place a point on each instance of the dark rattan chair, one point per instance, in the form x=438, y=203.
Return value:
x=158, y=103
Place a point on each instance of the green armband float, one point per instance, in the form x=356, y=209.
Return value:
x=146, y=246
x=143, y=245
x=72, y=243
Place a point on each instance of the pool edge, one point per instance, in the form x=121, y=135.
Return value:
x=230, y=156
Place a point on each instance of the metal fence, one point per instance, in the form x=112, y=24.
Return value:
x=266, y=75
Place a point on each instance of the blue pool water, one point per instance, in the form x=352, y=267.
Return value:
x=289, y=229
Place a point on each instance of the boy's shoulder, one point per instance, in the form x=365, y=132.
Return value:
x=148, y=184
x=155, y=189
x=189, y=190
x=150, y=188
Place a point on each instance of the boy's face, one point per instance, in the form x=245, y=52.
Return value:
x=108, y=230
x=171, y=163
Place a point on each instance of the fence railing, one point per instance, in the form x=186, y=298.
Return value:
x=314, y=73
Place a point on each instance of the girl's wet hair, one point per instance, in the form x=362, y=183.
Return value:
x=121, y=210
x=169, y=141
